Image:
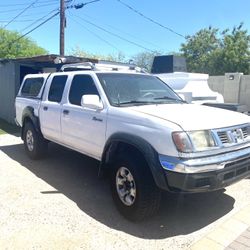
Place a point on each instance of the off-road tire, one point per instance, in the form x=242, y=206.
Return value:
x=148, y=195
x=35, y=145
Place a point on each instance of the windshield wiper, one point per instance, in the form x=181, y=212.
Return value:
x=135, y=102
x=169, y=98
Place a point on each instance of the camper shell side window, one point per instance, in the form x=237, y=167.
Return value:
x=32, y=86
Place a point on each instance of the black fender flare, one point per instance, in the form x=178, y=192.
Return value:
x=28, y=113
x=144, y=147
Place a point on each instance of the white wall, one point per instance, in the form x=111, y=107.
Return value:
x=235, y=87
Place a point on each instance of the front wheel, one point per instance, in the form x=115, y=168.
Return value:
x=35, y=145
x=133, y=189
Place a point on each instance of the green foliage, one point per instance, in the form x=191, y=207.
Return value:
x=145, y=59
x=236, y=51
x=142, y=59
x=11, y=48
x=77, y=51
x=209, y=51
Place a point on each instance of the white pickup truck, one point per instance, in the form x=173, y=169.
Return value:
x=144, y=135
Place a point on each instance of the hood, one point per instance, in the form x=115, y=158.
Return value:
x=194, y=116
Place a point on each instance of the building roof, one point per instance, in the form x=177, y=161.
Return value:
x=49, y=60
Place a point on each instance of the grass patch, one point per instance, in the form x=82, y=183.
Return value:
x=7, y=128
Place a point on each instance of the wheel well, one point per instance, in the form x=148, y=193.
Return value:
x=25, y=120
x=117, y=148
x=35, y=122
x=136, y=147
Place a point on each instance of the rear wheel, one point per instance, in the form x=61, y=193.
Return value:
x=35, y=145
x=133, y=189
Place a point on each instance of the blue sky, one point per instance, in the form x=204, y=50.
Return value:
x=184, y=16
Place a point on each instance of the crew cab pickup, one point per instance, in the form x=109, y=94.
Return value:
x=145, y=136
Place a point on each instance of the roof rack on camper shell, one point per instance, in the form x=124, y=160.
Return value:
x=105, y=66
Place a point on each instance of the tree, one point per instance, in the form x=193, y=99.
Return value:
x=235, y=52
x=215, y=53
x=199, y=50
x=141, y=59
x=145, y=59
x=12, y=47
x=118, y=57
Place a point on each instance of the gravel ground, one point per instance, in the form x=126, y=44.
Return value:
x=59, y=203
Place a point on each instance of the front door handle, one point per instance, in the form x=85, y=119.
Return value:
x=96, y=119
x=45, y=108
x=65, y=112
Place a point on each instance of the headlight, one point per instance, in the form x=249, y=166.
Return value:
x=182, y=142
x=202, y=140
x=193, y=141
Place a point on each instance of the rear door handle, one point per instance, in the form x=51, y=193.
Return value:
x=45, y=108
x=65, y=112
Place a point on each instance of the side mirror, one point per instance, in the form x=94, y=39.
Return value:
x=91, y=102
x=186, y=96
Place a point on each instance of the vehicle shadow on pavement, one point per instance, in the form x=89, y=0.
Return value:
x=75, y=176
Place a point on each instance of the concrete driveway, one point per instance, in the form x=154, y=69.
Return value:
x=59, y=203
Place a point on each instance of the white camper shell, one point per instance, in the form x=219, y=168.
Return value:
x=193, y=87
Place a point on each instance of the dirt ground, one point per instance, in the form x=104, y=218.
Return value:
x=59, y=203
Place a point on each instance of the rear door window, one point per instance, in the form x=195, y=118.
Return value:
x=57, y=88
x=32, y=86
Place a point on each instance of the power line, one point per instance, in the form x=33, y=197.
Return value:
x=36, y=6
x=150, y=19
x=37, y=26
x=125, y=33
x=77, y=6
x=38, y=20
x=7, y=11
x=93, y=33
x=24, y=4
x=20, y=13
x=35, y=13
x=113, y=34
x=45, y=5
x=33, y=29
x=21, y=21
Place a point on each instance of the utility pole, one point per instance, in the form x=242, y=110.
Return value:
x=62, y=26
x=63, y=20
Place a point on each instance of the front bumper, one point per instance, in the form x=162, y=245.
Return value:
x=207, y=173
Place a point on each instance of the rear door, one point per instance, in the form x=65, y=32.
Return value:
x=83, y=129
x=50, y=111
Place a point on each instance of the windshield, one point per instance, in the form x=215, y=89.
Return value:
x=134, y=89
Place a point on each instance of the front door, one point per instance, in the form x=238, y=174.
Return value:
x=83, y=129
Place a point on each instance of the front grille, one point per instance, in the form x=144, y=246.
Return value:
x=238, y=168
x=239, y=163
x=229, y=175
x=234, y=135
x=245, y=132
x=223, y=137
